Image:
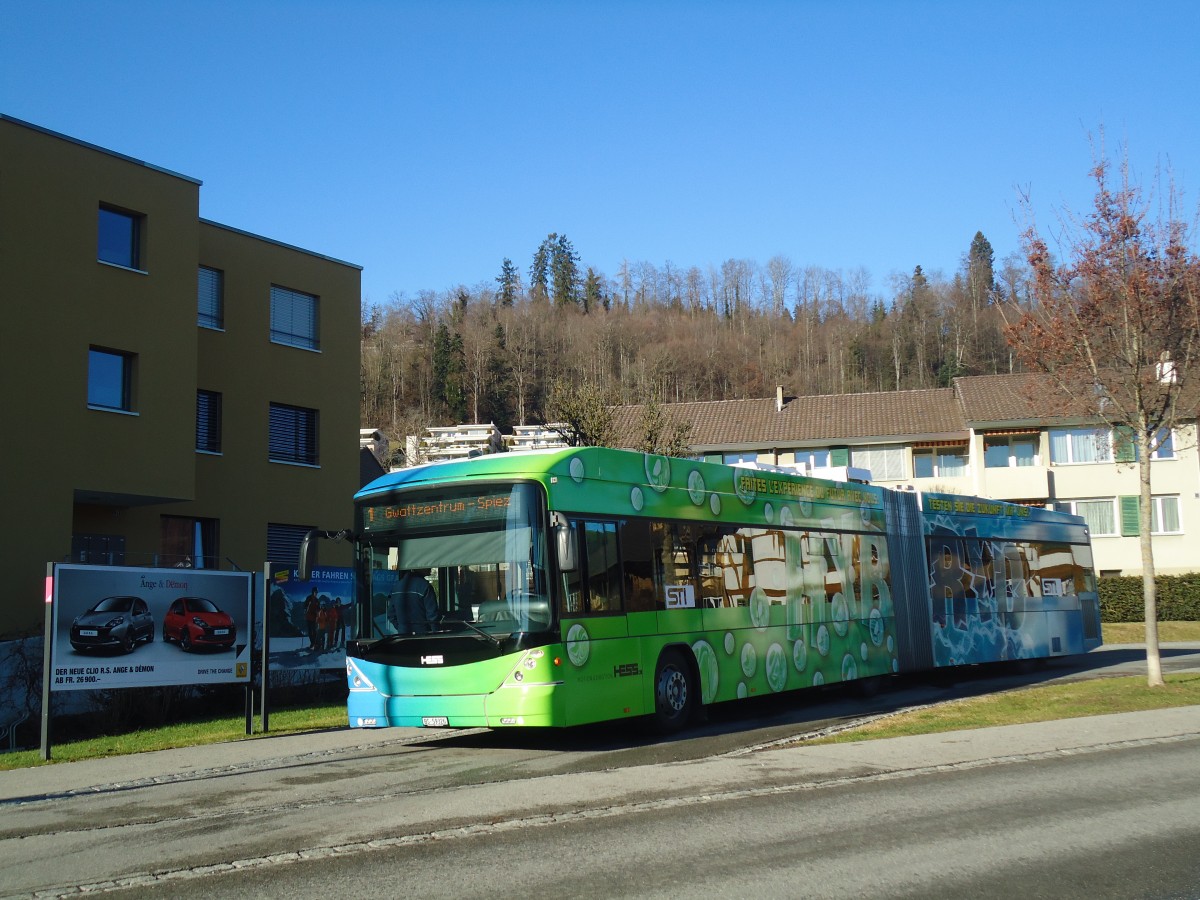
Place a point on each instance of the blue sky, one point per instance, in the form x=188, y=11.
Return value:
x=426, y=141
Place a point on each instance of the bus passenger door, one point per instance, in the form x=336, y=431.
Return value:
x=602, y=675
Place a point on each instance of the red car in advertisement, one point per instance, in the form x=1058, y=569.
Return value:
x=194, y=623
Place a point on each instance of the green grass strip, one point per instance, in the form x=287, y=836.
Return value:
x=1044, y=703
x=185, y=734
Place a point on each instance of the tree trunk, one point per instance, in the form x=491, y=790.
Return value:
x=1154, y=676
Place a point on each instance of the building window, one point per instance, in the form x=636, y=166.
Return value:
x=1127, y=450
x=1009, y=451
x=293, y=435
x=189, y=543
x=210, y=298
x=1166, y=447
x=1100, y=515
x=747, y=456
x=208, y=421
x=1164, y=515
x=940, y=462
x=283, y=542
x=886, y=461
x=110, y=379
x=1080, y=445
x=813, y=459
x=119, y=240
x=294, y=318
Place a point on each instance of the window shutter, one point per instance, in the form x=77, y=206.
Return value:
x=1129, y=516
x=283, y=542
x=294, y=318
x=208, y=421
x=292, y=434
x=839, y=456
x=1124, y=444
x=209, y=292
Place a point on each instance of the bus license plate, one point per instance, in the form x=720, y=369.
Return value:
x=435, y=721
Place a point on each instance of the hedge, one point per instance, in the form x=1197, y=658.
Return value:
x=1178, y=598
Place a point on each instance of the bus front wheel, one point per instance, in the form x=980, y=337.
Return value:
x=674, y=692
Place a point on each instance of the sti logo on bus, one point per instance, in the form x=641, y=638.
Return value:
x=680, y=596
x=435, y=659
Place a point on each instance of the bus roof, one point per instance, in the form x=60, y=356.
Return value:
x=493, y=465
x=595, y=480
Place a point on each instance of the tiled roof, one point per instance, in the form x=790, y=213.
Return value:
x=714, y=423
x=1004, y=398
x=977, y=401
x=829, y=417
x=1036, y=399
x=846, y=417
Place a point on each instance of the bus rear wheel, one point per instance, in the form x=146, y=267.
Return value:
x=674, y=692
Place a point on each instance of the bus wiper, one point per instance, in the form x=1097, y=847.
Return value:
x=486, y=634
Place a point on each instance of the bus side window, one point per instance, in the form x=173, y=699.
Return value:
x=712, y=591
x=572, y=593
x=603, y=567
x=735, y=562
x=638, y=563
x=672, y=546
x=595, y=587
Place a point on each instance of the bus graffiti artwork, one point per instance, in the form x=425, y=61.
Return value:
x=1009, y=593
x=572, y=586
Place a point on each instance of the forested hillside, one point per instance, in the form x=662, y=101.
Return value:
x=493, y=352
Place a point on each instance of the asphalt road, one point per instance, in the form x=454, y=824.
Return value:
x=733, y=806
x=1112, y=823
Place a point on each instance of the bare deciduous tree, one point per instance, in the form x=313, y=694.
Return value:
x=1115, y=324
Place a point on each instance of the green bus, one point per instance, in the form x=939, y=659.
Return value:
x=557, y=588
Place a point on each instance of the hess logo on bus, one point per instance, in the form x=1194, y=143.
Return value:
x=433, y=659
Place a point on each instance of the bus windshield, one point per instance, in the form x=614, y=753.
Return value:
x=453, y=559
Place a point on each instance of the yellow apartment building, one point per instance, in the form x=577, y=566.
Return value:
x=177, y=392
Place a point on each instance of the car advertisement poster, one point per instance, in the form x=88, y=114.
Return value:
x=116, y=627
x=309, y=622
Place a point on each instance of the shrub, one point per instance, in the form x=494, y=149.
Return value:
x=1178, y=598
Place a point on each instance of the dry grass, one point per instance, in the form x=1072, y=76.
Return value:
x=1135, y=632
x=1044, y=703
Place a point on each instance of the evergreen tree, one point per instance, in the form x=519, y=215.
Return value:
x=539, y=271
x=981, y=279
x=497, y=403
x=449, y=365
x=564, y=271
x=593, y=291
x=509, y=281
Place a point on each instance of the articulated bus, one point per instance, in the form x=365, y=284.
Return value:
x=583, y=585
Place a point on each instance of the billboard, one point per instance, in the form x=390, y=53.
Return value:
x=116, y=627
x=309, y=622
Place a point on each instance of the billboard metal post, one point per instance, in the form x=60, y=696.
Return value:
x=266, y=648
x=250, y=663
x=47, y=661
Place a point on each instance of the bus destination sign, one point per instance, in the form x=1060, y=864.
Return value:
x=449, y=511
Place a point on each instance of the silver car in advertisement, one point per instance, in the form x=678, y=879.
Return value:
x=115, y=623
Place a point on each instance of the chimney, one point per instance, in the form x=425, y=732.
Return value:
x=779, y=398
